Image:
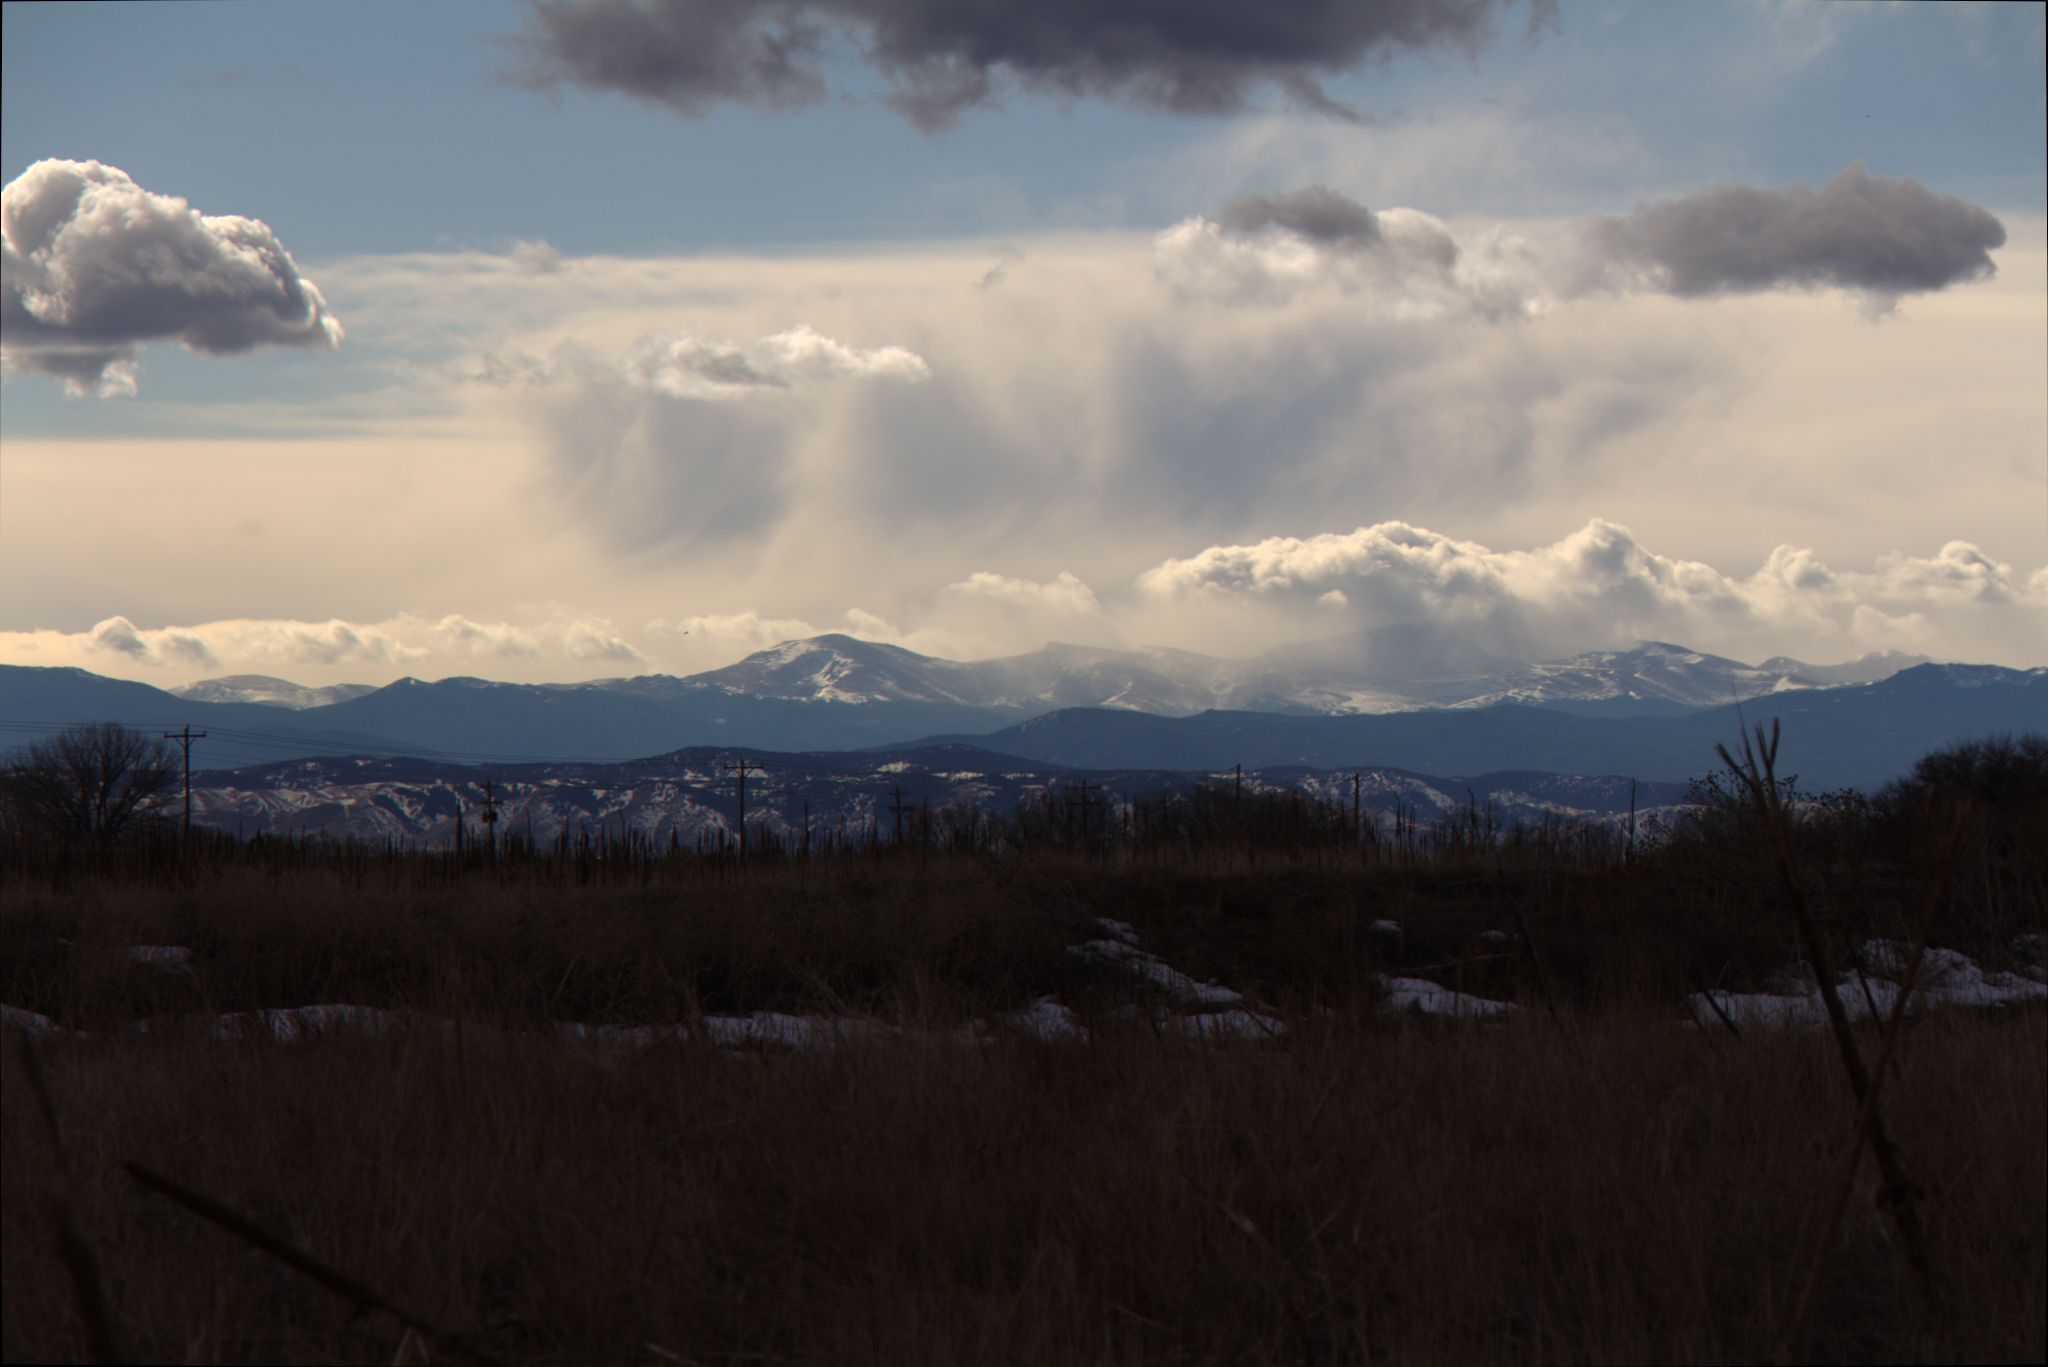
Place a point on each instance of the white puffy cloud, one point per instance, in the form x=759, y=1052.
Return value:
x=239, y=640
x=1064, y=593
x=117, y=636
x=1600, y=587
x=94, y=264
x=335, y=650
x=1402, y=263
x=687, y=366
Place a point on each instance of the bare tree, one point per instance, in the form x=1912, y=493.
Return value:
x=91, y=781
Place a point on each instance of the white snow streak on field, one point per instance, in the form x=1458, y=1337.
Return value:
x=1159, y=973
x=1947, y=978
x=1421, y=997
x=1045, y=1019
x=28, y=1022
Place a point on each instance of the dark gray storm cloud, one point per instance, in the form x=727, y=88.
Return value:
x=94, y=264
x=942, y=58
x=1857, y=232
x=1316, y=213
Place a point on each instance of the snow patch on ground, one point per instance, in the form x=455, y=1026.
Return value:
x=1947, y=978
x=28, y=1022
x=298, y=1024
x=1421, y=997
x=1158, y=972
x=1047, y=1020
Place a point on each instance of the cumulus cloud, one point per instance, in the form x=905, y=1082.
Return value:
x=211, y=644
x=554, y=646
x=687, y=366
x=1600, y=587
x=1272, y=249
x=1065, y=593
x=94, y=265
x=1858, y=232
x=120, y=637
x=942, y=59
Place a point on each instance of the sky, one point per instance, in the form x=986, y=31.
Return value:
x=592, y=338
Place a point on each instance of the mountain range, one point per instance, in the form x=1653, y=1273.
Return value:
x=1388, y=669
x=1403, y=697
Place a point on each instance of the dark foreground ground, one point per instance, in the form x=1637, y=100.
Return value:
x=1594, y=1178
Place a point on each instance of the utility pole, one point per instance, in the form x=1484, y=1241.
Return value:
x=896, y=809
x=185, y=738
x=489, y=817
x=739, y=769
x=1086, y=802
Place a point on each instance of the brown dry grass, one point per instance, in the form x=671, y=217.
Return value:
x=1602, y=1184
x=1629, y=1192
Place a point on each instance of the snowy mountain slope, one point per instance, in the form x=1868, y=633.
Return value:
x=268, y=691
x=1655, y=672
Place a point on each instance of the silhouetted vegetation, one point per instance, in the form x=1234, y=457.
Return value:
x=94, y=782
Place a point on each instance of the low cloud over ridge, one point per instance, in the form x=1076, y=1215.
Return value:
x=1600, y=587
x=942, y=59
x=94, y=265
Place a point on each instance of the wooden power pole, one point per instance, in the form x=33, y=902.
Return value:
x=739, y=769
x=489, y=816
x=185, y=737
